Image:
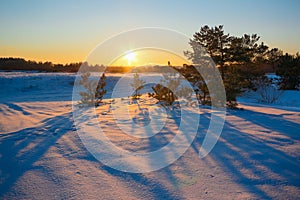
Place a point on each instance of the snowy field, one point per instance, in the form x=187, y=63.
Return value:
x=42, y=156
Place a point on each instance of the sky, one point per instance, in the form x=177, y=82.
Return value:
x=64, y=31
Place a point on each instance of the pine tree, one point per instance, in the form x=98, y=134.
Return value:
x=227, y=52
x=137, y=85
x=194, y=77
x=163, y=94
x=273, y=57
x=88, y=96
x=94, y=91
x=215, y=43
x=289, y=71
x=100, y=91
x=167, y=90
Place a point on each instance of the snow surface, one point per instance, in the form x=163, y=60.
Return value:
x=42, y=156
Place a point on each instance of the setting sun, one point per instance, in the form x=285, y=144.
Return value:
x=130, y=57
x=149, y=56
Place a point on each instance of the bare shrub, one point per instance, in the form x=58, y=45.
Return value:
x=267, y=90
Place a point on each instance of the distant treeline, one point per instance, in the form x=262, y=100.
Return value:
x=9, y=64
x=22, y=64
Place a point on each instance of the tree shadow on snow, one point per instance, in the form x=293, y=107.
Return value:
x=253, y=159
x=17, y=155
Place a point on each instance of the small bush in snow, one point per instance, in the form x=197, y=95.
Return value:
x=88, y=96
x=185, y=93
x=167, y=90
x=192, y=75
x=163, y=94
x=94, y=91
x=137, y=85
x=267, y=90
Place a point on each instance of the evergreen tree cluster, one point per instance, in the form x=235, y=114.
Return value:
x=240, y=61
x=288, y=69
x=93, y=91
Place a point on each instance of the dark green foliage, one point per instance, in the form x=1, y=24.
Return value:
x=273, y=56
x=289, y=71
x=233, y=85
x=235, y=57
x=163, y=94
x=193, y=76
x=238, y=79
x=245, y=50
x=215, y=43
x=100, y=91
x=94, y=91
x=169, y=87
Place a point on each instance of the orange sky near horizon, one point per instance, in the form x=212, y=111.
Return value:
x=144, y=57
x=67, y=31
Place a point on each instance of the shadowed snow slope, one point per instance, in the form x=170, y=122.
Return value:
x=42, y=156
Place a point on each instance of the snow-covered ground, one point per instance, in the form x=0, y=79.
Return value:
x=288, y=99
x=42, y=156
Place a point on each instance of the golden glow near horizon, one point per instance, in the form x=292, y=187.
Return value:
x=60, y=32
x=130, y=57
x=144, y=57
x=139, y=57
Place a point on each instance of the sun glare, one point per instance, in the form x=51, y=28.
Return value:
x=130, y=57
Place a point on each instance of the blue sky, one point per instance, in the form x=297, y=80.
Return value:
x=66, y=31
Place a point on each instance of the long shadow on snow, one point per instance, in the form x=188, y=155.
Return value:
x=156, y=189
x=14, y=161
x=235, y=146
x=240, y=154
